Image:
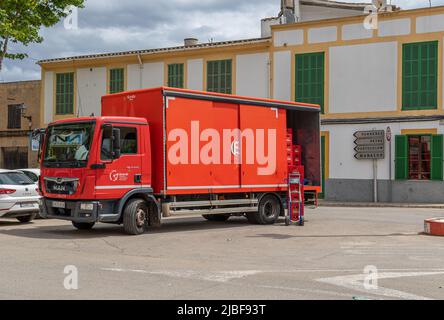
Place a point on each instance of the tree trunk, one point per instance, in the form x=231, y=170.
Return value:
x=3, y=52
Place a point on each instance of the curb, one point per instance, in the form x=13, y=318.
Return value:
x=381, y=205
x=434, y=226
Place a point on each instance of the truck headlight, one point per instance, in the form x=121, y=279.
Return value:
x=87, y=206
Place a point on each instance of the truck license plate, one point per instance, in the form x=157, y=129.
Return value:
x=58, y=204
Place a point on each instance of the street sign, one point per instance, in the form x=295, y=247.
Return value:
x=369, y=141
x=369, y=156
x=364, y=149
x=370, y=145
x=389, y=134
x=369, y=134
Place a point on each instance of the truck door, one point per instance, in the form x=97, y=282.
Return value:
x=116, y=177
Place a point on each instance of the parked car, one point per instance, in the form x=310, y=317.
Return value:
x=34, y=174
x=19, y=197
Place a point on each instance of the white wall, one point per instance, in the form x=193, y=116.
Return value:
x=252, y=75
x=48, y=96
x=363, y=78
x=152, y=75
x=195, y=74
x=343, y=165
x=91, y=86
x=282, y=75
x=310, y=13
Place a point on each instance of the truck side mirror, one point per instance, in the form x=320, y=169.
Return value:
x=116, y=143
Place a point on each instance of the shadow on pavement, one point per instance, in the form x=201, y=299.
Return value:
x=66, y=231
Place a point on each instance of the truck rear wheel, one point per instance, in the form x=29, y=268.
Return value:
x=135, y=217
x=268, y=212
x=83, y=225
x=216, y=217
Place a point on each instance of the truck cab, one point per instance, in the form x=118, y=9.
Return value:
x=92, y=166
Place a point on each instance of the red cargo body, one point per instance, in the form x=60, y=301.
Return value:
x=181, y=108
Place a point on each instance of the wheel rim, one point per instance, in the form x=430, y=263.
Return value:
x=269, y=209
x=140, y=217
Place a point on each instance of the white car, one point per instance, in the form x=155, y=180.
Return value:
x=19, y=197
x=34, y=174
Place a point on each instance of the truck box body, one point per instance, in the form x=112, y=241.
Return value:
x=213, y=143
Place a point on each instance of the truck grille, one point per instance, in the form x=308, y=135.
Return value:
x=67, y=186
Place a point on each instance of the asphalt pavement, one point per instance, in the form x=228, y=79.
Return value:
x=341, y=253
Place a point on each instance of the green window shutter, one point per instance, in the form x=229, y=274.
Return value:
x=309, y=82
x=420, y=76
x=116, y=80
x=219, y=76
x=437, y=157
x=401, y=157
x=175, y=75
x=64, y=93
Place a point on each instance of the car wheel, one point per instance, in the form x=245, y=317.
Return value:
x=83, y=225
x=26, y=219
x=135, y=217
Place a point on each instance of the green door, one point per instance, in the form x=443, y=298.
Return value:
x=322, y=194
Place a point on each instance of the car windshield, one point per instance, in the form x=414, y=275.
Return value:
x=15, y=179
x=68, y=145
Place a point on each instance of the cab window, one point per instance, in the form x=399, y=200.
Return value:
x=128, y=142
x=106, y=152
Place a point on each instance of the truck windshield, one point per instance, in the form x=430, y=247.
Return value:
x=68, y=145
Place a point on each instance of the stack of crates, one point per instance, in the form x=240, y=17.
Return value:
x=296, y=179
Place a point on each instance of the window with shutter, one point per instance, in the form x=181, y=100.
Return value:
x=65, y=93
x=116, y=80
x=175, y=75
x=401, y=163
x=420, y=76
x=310, y=78
x=219, y=76
x=437, y=158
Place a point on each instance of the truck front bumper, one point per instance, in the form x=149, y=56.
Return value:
x=77, y=211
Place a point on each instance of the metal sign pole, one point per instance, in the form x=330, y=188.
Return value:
x=375, y=180
x=389, y=139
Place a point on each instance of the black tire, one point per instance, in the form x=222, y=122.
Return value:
x=27, y=219
x=216, y=217
x=83, y=225
x=268, y=212
x=135, y=217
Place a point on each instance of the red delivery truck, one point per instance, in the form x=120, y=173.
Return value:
x=157, y=152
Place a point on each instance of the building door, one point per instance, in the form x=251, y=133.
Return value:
x=15, y=158
x=322, y=194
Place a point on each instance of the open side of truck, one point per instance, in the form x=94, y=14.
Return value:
x=158, y=152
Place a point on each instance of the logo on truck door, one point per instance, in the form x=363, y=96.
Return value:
x=231, y=146
x=115, y=176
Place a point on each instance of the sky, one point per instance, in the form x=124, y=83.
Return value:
x=120, y=25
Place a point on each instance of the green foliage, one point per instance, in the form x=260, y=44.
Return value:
x=21, y=20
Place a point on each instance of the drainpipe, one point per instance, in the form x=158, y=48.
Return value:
x=270, y=77
x=139, y=58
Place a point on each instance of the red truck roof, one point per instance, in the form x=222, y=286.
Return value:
x=220, y=97
x=108, y=119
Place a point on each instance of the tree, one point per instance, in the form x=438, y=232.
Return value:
x=21, y=20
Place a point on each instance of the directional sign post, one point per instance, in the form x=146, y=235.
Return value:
x=370, y=145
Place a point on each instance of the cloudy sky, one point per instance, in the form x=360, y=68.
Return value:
x=118, y=25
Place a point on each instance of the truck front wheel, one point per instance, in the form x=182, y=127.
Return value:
x=83, y=225
x=135, y=217
x=268, y=212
